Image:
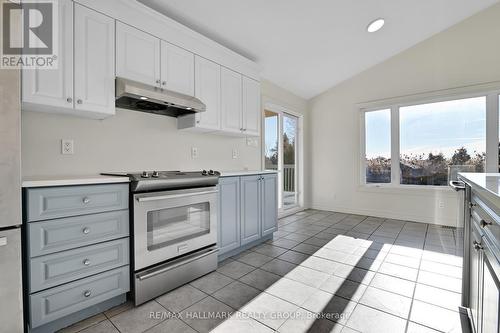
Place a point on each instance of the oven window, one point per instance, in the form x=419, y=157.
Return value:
x=173, y=225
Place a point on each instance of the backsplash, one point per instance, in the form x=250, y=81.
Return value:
x=128, y=141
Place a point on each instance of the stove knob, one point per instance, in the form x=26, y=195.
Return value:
x=155, y=174
x=145, y=174
x=211, y=172
x=204, y=172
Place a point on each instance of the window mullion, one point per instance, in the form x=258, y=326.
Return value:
x=492, y=131
x=395, y=172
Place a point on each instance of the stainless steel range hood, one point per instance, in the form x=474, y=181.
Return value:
x=138, y=96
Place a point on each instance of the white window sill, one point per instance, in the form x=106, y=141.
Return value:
x=406, y=189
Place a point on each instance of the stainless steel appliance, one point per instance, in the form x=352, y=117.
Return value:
x=138, y=96
x=11, y=304
x=174, y=229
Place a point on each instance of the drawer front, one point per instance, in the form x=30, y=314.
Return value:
x=56, y=202
x=68, y=233
x=63, y=267
x=488, y=219
x=56, y=303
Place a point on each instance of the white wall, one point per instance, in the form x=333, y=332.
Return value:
x=466, y=54
x=132, y=141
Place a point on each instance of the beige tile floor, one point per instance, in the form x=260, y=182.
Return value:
x=322, y=272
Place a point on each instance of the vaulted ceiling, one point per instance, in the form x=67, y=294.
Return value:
x=308, y=46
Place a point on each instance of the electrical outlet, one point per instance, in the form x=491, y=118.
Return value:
x=67, y=147
x=235, y=153
x=252, y=142
x=441, y=204
x=194, y=153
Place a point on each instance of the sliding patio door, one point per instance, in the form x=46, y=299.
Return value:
x=281, y=154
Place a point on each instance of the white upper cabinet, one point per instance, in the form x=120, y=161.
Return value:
x=251, y=113
x=53, y=88
x=231, y=96
x=94, y=61
x=137, y=55
x=177, y=69
x=83, y=83
x=207, y=89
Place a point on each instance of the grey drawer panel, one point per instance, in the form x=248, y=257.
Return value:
x=488, y=219
x=56, y=202
x=58, y=302
x=68, y=233
x=58, y=268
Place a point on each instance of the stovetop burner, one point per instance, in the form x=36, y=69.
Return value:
x=147, y=181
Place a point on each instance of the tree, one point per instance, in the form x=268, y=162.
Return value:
x=288, y=150
x=460, y=157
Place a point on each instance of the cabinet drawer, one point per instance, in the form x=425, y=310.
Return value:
x=56, y=303
x=58, y=268
x=68, y=233
x=488, y=219
x=56, y=202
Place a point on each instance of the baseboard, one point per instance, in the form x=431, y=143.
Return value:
x=387, y=214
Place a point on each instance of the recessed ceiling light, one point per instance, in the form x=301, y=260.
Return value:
x=189, y=108
x=144, y=98
x=375, y=25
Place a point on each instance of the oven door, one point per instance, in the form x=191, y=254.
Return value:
x=171, y=223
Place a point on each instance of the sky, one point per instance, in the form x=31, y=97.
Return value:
x=437, y=127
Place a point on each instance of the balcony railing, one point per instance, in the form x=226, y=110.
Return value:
x=288, y=176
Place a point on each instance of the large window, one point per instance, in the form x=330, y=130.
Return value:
x=439, y=137
x=428, y=143
x=378, y=146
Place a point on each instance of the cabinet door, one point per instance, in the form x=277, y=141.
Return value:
x=475, y=274
x=94, y=61
x=177, y=69
x=229, y=214
x=137, y=55
x=491, y=291
x=251, y=107
x=269, y=202
x=250, y=209
x=208, y=90
x=231, y=98
x=54, y=87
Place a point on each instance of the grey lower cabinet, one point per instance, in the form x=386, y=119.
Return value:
x=250, y=208
x=483, y=265
x=228, y=236
x=248, y=211
x=76, y=252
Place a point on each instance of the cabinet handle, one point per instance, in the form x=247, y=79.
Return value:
x=87, y=293
x=86, y=200
x=477, y=246
x=164, y=83
x=484, y=223
x=79, y=101
x=158, y=81
x=69, y=100
x=86, y=262
x=86, y=230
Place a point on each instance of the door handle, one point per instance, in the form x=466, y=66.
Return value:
x=477, y=246
x=174, y=196
x=457, y=185
x=484, y=223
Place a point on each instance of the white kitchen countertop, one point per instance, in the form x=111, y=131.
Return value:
x=488, y=184
x=246, y=173
x=45, y=181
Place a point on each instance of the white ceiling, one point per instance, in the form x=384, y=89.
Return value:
x=308, y=46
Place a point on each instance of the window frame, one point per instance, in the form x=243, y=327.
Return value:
x=491, y=91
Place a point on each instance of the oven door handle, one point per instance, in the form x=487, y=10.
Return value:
x=174, y=196
x=149, y=274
